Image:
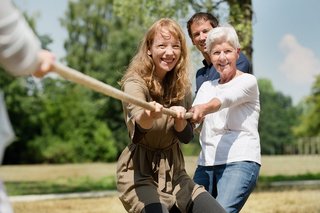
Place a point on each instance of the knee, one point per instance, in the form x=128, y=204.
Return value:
x=155, y=208
x=204, y=202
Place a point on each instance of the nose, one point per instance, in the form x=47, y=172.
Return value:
x=169, y=50
x=222, y=56
x=203, y=36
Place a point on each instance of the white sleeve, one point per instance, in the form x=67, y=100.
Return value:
x=203, y=94
x=244, y=89
x=18, y=44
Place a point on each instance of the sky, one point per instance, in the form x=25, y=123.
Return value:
x=286, y=34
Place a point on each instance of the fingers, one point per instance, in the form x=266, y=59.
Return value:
x=198, y=115
x=180, y=111
x=157, y=112
x=46, y=63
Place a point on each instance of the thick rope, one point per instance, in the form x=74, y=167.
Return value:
x=98, y=86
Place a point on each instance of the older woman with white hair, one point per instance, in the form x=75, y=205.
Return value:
x=228, y=108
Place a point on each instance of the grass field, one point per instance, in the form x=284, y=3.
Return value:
x=306, y=201
x=277, y=201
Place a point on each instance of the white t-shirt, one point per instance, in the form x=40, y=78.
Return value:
x=231, y=133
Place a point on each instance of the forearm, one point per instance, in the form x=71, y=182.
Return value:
x=212, y=106
x=144, y=121
x=186, y=134
x=179, y=125
x=201, y=110
x=19, y=46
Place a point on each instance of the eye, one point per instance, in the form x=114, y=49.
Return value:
x=205, y=31
x=176, y=46
x=161, y=46
x=196, y=35
x=216, y=53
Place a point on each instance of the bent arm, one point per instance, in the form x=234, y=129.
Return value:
x=19, y=46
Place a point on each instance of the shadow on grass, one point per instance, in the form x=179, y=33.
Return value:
x=87, y=184
x=83, y=184
x=288, y=182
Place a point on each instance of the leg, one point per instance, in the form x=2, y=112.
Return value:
x=174, y=209
x=204, y=176
x=155, y=208
x=205, y=203
x=235, y=182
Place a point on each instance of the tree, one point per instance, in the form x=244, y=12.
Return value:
x=277, y=118
x=20, y=103
x=240, y=17
x=309, y=122
x=142, y=13
x=103, y=35
x=54, y=121
x=101, y=45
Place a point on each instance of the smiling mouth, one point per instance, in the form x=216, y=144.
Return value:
x=223, y=65
x=168, y=61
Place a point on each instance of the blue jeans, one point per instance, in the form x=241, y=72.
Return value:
x=231, y=184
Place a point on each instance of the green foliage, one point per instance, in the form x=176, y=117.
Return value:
x=142, y=13
x=286, y=182
x=193, y=148
x=309, y=122
x=277, y=117
x=63, y=124
x=22, y=107
x=101, y=46
x=241, y=18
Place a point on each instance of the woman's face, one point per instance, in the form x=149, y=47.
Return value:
x=224, y=58
x=165, y=52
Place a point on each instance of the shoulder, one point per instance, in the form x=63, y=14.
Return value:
x=134, y=78
x=247, y=77
x=201, y=71
x=134, y=81
x=243, y=56
x=244, y=64
x=209, y=85
x=247, y=80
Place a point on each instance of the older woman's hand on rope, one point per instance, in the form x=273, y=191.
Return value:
x=199, y=112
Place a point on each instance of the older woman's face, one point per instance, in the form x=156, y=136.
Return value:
x=224, y=58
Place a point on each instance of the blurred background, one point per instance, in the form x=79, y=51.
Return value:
x=68, y=138
x=56, y=121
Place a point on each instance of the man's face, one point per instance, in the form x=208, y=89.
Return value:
x=199, y=32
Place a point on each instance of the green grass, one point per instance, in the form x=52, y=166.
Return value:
x=85, y=184
x=265, y=182
x=308, y=176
